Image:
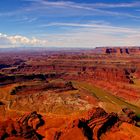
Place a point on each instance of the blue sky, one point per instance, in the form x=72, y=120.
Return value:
x=69, y=23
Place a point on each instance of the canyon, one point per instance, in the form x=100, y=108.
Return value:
x=82, y=94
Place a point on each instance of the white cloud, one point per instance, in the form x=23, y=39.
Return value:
x=20, y=41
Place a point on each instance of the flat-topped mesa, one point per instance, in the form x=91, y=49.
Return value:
x=118, y=50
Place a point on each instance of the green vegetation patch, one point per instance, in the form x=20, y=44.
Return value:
x=105, y=96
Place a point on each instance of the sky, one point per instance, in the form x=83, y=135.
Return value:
x=69, y=23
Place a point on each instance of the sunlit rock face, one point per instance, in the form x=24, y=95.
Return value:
x=94, y=124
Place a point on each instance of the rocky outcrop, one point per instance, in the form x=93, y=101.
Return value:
x=91, y=127
x=100, y=122
x=23, y=128
x=118, y=50
x=129, y=116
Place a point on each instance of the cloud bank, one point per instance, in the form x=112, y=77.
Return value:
x=20, y=41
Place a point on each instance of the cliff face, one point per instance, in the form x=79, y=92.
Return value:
x=95, y=73
x=118, y=50
x=97, y=64
x=122, y=51
x=113, y=74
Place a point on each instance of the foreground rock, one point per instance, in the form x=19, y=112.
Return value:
x=23, y=128
x=91, y=127
x=95, y=124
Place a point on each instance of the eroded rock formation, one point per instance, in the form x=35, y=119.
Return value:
x=90, y=126
x=23, y=128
